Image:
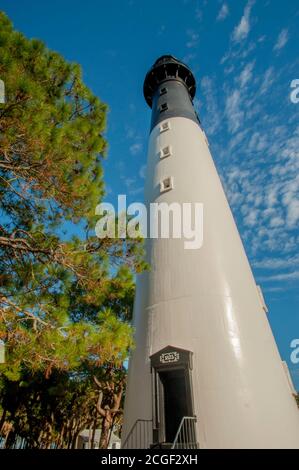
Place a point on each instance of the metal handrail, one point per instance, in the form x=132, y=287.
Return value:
x=185, y=437
x=139, y=440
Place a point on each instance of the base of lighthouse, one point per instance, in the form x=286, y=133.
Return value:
x=205, y=371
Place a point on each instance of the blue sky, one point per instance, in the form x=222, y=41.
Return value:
x=244, y=55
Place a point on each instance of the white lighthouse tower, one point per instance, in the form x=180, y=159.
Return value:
x=206, y=371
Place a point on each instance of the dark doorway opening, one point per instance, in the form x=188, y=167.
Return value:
x=172, y=392
x=175, y=403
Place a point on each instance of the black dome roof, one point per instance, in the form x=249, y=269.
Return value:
x=167, y=67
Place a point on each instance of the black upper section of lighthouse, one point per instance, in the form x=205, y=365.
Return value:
x=169, y=88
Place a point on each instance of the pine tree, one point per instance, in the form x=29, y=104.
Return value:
x=65, y=301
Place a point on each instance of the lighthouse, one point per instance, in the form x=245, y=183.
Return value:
x=205, y=371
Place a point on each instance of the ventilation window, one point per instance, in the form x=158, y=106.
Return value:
x=165, y=126
x=165, y=152
x=163, y=91
x=166, y=184
x=163, y=107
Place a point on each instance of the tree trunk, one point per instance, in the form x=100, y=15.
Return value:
x=105, y=430
x=2, y=420
x=75, y=437
x=94, y=427
x=9, y=439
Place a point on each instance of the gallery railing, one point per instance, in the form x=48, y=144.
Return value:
x=185, y=437
x=140, y=435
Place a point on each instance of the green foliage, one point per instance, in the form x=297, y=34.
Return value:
x=65, y=301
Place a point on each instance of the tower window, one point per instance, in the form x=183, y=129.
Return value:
x=163, y=107
x=165, y=126
x=166, y=184
x=165, y=152
x=163, y=90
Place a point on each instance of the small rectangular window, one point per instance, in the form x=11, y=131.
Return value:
x=166, y=184
x=163, y=90
x=165, y=152
x=163, y=107
x=165, y=126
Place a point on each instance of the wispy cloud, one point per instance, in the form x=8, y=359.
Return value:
x=192, y=38
x=282, y=39
x=280, y=277
x=277, y=263
x=131, y=186
x=129, y=182
x=241, y=31
x=246, y=74
x=135, y=148
x=198, y=13
x=268, y=79
x=130, y=132
x=293, y=213
x=274, y=289
x=266, y=202
x=161, y=30
x=223, y=12
x=212, y=121
x=142, y=171
x=189, y=57
x=233, y=110
x=135, y=191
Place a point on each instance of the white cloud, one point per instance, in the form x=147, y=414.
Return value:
x=276, y=221
x=193, y=39
x=129, y=182
x=237, y=53
x=266, y=200
x=223, y=12
x=251, y=218
x=135, y=148
x=189, y=57
x=277, y=263
x=259, y=158
x=213, y=119
x=229, y=69
x=281, y=40
x=274, y=289
x=281, y=277
x=130, y=185
x=108, y=189
x=136, y=191
x=268, y=79
x=233, y=111
x=241, y=31
x=271, y=197
x=246, y=74
x=293, y=213
x=161, y=30
x=198, y=13
x=262, y=38
x=142, y=171
x=258, y=142
x=130, y=132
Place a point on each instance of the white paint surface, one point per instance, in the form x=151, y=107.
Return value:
x=207, y=301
